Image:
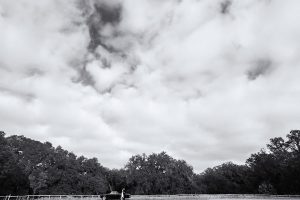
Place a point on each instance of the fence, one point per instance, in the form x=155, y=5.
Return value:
x=31, y=197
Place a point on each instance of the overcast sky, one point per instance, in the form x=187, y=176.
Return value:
x=207, y=81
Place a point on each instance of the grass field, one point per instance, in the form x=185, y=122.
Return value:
x=211, y=197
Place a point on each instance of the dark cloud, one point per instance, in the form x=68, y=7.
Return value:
x=84, y=77
x=103, y=14
x=108, y=13
x=261, y=67
x=225, y=6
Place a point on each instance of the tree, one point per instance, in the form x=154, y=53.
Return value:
x=116, y=179
x=279, y=167
x=12, y=178
x=293, y=142
x=158, y=174
x=92, y=177
x=226, y=178
x=52, y=170
x=28, y=166
x=266, y=188
x=292, y=165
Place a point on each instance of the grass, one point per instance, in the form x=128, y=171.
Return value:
x=212, y=197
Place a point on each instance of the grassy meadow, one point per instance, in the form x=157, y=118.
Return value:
x=210, y=197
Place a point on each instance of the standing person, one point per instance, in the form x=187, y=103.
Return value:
x=123, y=194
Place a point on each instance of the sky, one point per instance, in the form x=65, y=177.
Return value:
x=207, y=81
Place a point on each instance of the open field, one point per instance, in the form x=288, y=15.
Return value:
x=161, y=197
x=211, y=197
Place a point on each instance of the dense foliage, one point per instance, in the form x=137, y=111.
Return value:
x=32, y=167
x=159, y=174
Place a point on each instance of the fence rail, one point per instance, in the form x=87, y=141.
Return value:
x=30, y=197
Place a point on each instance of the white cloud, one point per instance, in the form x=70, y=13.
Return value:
x=179, y=76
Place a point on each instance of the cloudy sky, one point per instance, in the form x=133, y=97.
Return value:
x=207, y=81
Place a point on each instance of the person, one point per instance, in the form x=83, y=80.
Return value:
x=123, y=194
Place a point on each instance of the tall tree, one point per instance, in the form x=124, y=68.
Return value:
x=12, y=178
x=279, y=166
x=227, y=178
x=159, y=174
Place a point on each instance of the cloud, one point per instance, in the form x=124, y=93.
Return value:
x=225, y=6
x=206, y=81
x=104, y=16
x=261, y=67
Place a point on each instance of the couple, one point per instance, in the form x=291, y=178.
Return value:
x=123, y=194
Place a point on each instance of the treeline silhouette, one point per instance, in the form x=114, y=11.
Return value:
x=31, y=167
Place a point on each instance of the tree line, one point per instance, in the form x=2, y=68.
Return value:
x=31, y=167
